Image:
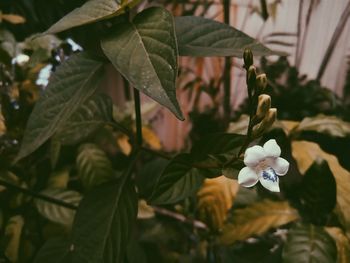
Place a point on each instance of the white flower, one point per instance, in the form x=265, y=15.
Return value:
x=264, y=164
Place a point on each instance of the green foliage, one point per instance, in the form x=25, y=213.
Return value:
x=202, y=37
x=104, y=223
x=177, y=181
x=57, y=213
x=91, y=178
x=90, y=12
x=74, y=82
x=145, y=52
x=308, y=243
x=92, y=115
x=317, y=192
x=93, y=166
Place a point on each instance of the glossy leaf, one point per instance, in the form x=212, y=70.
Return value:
x=202, y=37
x=73, y=82
x=103, y=224
x=86, y=120
x=309, y=243
x=93, y=166
x=91, y=11
x=144, y=51
x=57, y=213
x=305, y=153
x=177, y=181
x=256, y=219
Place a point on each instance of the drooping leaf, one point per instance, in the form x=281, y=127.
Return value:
x=217, y=148
x=309, y=243
x=305, y=153
x=215, y=199
x=343, y=244
x=317, y=192
x=103, y=224
x=57, y=213
x=55, y=250
x=177, y=181
x=86, y=120
x=93, y=165
x=13, y=232
x=90, y=12
x=73, y=82
x=145, y=52
x=202, y=37
x=330, y=125
x=256, y=219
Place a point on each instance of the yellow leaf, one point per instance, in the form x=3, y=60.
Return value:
x=2, y=125
x=123, y=144
x=151, y=139
x=305, y=153
x=256, y=220
x=343, y=244
x=215, y=198
x=59, y=179
x=13, y=235
x=14, y=19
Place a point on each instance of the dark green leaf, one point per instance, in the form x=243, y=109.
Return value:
x=309, y=243
x=55, y=150
x=145, y=52
x=86, y=120
x=177, y=181
x=57, y=213
x=91, y=11
x=93, y=166
x=103, y=224
x=55, y=250
x=73, y=82
x=217, y=148
x=202, y=37
x=317, y=192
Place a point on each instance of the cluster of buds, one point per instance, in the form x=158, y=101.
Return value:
x=262, y=115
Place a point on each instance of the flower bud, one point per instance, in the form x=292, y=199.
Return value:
x=264, y=104
x=261, y=82
x=266, y=123
x=251, y=76
x=248, y=58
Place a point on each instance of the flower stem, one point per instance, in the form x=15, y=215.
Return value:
x=138, y=117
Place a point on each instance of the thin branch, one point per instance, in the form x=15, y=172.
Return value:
x=180, y=217
x=138, y=117
x=37, y=195
x=336, y=35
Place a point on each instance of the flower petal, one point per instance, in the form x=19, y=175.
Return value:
x=280, y=166
x=269, y=179
x=247, y=177
x=272, y=149
x=253, y=155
